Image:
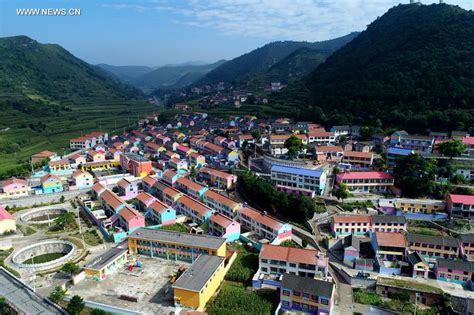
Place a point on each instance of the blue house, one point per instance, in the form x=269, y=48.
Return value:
x=393, y=153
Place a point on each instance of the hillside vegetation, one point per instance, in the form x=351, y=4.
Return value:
x=412, y=68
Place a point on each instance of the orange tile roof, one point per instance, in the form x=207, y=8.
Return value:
x=123, y=183
x=289, y=254
x=213, y=147
x=329, y=148
x=221, y=219
x=77, y=173
x=262, y=218
x=320, y=132
x=145, y=198
x=170, y=191
x=195, y=205
x=111, y=199
x=352, y=218
x=129, y=214
x=215, y=172
x=44, y=154
x=14, y=180
x=48, y=176
x=98, y=187
x=59, y=162
x=358, y=154
x=390, y=239
x=190, y=184
x=150, y=181
x=221, y=198
x=158, y=206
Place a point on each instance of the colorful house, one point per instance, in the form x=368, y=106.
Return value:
x=144, y=200
x=43, y=155
x=198, y=284
x=456, y=271
x=432, y=247
x=363, y=182
x=51, y=183
x=389, y=251
x=135, y=164
x=197, y=160
x=191, y=188
x=197, y=211
x=60, y=167
x=461, y=206
x=171, y=195
x=126, y=189
x=221, y=203
x=106, y=264
x=161, y=213
x=147, y=184
x=95, y=156
x=7, y=222
x=223, y=226
x=130, y=219
x=111, y=202
x=305, y=295
x=420, y=266
x=13, y=187
x=218, y=178
x=264, y=225
x=82, y=179
x=170, y=177
x=344, y=225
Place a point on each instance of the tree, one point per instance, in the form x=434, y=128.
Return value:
x=192, y=172
x=97, y=311
x=57, y=294
x=294, y=146
x=341, y=192
x=452, y=148
x=256, y=135
x=415, y=175
x=70, y=268
x=65, y=220
x=75, y=305
x=62, y=199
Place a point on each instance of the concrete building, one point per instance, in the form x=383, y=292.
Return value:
x=364, y=182
x=7, y=222
x=300, y=178
x=461, y=206
x=106, y=264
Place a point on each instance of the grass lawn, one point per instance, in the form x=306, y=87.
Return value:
x=44, y=258
x=235, y=299
x=244, y=266
x=92, y=238
x=26, y=230
x=3, y=255
x=178, y=227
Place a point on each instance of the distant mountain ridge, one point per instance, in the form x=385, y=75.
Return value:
x=125, y=73
x=257, y=62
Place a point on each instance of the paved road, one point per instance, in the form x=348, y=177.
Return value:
x=46, y=198
x=344, y=304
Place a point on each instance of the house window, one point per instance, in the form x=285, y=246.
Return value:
x=292, y=265
x=324, y=301
x=306, y=295
x=296, y=293
x=264, y=269
x=314, y=297
x=286, y=292
x=285, y=303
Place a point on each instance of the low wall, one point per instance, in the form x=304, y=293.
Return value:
x=41, y=212
x=26, y=253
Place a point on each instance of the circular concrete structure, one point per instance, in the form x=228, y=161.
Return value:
x=22, y=258
x=42, y=216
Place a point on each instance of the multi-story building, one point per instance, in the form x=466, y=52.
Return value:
x=174, y=245
x=51, y=183
x=170, y=177
x=426, y=206
x=277, y=143
x=7, y=222
x=306, y=295
x=366, y=181
x=161, y=213
x=135, y=164
x=82, y=179
x=389, y=250
x=388, y=223
x=127, y=189
x=217, y=178
x=130, y=219
x=196, y=286
x=469, y=143
x=460, y=206
x=467, y=246
x=264, y=225
x=275, y=261
x=13, y=187
x=358, y=159
x=299, y=178
x=414, y=142
x=221, y=203
x=344, y=225
x=171, y=195
x=196, y=210
x=394, y=153
x=456, y=271
x=432, y=247
x=191, y=188
x=321, y=136
x=88, y=141
x=223, y=226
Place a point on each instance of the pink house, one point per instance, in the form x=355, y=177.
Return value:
x=95, y=156
x=218, y=178
x=223, y=226
x=13, y=187
x=127, y=190
x=130, y=219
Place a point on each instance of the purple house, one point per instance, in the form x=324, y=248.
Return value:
x=451, y=270
x=126, y=189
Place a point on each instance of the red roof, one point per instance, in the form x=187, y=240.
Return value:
x=289, y=254
x=190, y=184
x=215, y=172
x=352, y=218
x=98, y=188
x=390, y=239
x=358, y=154
x=158, y=206
x=221, y=219
x=262, y=218
x=14, y=180
x=123, y=183
x=221, y=198
x=59, y=162
x=48, y=176
x=145, y=198
x=150, y=181
x=464, y=199
x=129, y=214
x=468, y=140
x=111, y=199
x=195, y=205
x=4, y=215
x=364, y=175
x=320, y=132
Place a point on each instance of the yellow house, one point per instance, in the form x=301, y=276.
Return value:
x=173, y=245
x=420, y=205
x=197, y=285
x=7, y=222
x=106, y=264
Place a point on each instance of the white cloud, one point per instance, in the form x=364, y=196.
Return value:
x=310, y=20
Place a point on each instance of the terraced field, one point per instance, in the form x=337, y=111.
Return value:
x=23, y=134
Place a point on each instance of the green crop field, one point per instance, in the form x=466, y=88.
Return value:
x=19, y=139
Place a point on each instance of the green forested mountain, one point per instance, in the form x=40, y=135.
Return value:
x=412, y=68
x=125, y=73
x=48, y=96
x=173, y=76
x=257, y=62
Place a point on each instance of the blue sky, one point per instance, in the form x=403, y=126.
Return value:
x=157, y=32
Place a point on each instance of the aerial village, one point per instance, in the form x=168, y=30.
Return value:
x=177, y=221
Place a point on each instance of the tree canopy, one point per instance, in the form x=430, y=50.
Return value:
x=415, y=175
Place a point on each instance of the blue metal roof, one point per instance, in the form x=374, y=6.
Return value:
x=297, y=171
x=399, y=151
